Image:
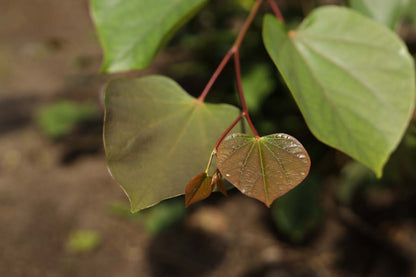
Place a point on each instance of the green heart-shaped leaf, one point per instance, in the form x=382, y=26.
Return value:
x=132, y=31
x=157, y=137
x=352, y=79
x=386, y=12
x=263, y=168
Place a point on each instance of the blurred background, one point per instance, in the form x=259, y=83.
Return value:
x=61, y=214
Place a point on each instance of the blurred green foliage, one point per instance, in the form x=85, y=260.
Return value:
x=298, y=214
x=353, y=176
x=82, y=241
x=60, y=118
x=155, y=219
x=122, y=210
x=258, y=84
x=399, y=174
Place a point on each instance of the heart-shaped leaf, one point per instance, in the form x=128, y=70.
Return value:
x=199, y=188
x=352, y=79
x=386, y=12
x=132, y=31
x=264, y=167
x=157, y=137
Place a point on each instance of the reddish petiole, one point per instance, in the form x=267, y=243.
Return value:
x=235, y=52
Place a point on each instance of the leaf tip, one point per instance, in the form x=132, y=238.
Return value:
x=379, y=173
x=133, y=208
x=378, y=169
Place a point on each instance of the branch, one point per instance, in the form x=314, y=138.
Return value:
x=232, y=50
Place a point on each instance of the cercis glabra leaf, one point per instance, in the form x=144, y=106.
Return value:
x=352, y=78
x=264, y=167
x=386, y=12
x=202, y=185
x=157, y=137
x=219, y=183
x=132, y=31
x=199, y=188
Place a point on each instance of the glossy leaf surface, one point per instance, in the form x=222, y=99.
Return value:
x=386, y=12
x=132, y=31
x=199, y=188
x=263, y=168
x=352, y=79
x=157, y=137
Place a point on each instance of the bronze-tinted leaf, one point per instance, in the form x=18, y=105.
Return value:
x=219, y=183
x=263, y=168
x=199, y=188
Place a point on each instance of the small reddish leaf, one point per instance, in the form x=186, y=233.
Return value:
x=263, y=168
x=219, y=183
x=199, y=188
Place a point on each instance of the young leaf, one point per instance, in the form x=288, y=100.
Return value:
x=219, y=183
x=386, y=12
x=352, y=79
x=157, y=137
x=132, y=31
x=199, y=188
x=263, y=168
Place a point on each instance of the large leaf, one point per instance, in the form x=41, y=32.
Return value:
x=157, y=137
x=263, y=168
x=132, y=31
x=386, y=12
x=352, y=79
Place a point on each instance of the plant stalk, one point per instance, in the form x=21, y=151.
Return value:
x=276, y=10
x=232, y=50
x=241, y=92
x=227, y=131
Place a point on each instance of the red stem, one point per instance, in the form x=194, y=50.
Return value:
x=241, y=93
x=216, y=74
x=276, y=10
x=232, y=50
x=228, y=130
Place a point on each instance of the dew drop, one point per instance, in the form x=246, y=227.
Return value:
x=243, y=190
x=301, y=156
x=227, y=175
